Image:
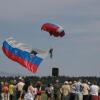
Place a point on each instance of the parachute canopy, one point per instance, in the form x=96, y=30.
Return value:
x=22, y=54
x=53, y=29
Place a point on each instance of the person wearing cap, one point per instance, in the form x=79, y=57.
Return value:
x=19, y=87
x=65, y=90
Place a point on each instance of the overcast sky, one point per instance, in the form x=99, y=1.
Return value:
x=76, y=54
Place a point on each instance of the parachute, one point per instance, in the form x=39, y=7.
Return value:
x=53, y=29
x=22, y=54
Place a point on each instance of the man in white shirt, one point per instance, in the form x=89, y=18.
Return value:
x=19, y=87
x=94, y=89
x=78, y=87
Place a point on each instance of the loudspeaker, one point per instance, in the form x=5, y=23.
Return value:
x=55, y=71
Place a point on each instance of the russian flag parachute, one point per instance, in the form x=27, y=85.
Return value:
x=22, y=54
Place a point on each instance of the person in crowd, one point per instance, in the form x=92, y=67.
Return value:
x=19, y=87
x=5, y=91
x=94, y=91
x=52, y=91
x=49, y=91
x=28, y=91
x=39, y=90
x=85, y=90
x=11, y=90
x=72, y=91
x=14, y=90
x=0, y=90
x=65, y=90
x=78, y=87
x=57, y=93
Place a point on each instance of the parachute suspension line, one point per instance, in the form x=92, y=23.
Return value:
x=55, y=31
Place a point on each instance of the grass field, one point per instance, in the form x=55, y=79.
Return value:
x=44, y=96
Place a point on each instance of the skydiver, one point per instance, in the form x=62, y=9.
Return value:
x=33, y=52
x=51, y=52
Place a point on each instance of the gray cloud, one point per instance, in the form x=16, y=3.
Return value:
x=80, y=18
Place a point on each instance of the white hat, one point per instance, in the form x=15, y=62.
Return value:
x=70, y=82
x=66, y=82
x=20, y=78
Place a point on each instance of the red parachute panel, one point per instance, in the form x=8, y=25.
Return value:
x=53, y=29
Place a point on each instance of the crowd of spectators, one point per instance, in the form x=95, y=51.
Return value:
x=25, y=89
